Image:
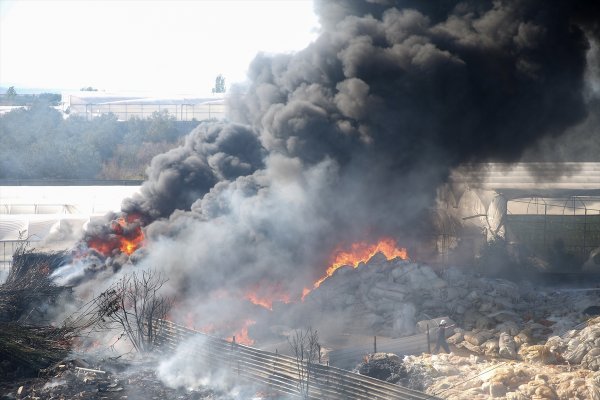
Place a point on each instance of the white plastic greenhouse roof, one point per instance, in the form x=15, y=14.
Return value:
x=38, y=210
x=85, y=97
x=566, y=176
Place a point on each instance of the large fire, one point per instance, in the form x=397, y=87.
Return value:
x=360, y=252
x=265, y=295
x=240, y=334
x=126, y=236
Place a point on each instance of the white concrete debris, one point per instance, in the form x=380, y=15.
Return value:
x=519, y=341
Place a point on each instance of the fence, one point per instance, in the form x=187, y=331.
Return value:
x=279, y=372
x=568, y=239
x=347, y=357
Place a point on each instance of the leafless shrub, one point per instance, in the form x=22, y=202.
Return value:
x=28, y=285
x=134, y=304
x=305, y=345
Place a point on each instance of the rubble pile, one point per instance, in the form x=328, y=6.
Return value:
x=453, y=377
x=388, y=298
x=510, y=340
x=383, y=366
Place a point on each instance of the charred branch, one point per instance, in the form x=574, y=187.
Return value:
x=28, y=285
x=133, y=304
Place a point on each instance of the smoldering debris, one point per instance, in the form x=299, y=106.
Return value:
x=383, y=366
x=29, y=291
x=30, y=341
x=103, y=379
x=25, y=349
x=389, y=297
x=510, y=338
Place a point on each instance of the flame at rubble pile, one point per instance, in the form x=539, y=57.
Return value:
x=239, y=333
x=265, y=298
x=124, y=235
x=360, y=252
x=242, y=336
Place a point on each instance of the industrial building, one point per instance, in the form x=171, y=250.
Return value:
x=549, y=211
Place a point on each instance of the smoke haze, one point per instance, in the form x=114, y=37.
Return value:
x=348, y=139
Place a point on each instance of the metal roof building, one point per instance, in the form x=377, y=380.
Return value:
x=543, y=208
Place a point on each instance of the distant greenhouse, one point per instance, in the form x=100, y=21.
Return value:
x=50, y=217
x=126, y=106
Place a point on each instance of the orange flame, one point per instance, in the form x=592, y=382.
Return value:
x=103, y=247
x=127, y=236
x=305, y=292
x=242, y=336
x=222, y=329
x=360, y=252
x=266, y=300
x=132, y=241
x=129, y=246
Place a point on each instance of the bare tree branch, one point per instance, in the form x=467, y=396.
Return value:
x=305, y=345
x=133, y=304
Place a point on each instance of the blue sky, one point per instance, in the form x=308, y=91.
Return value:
x=144, y=45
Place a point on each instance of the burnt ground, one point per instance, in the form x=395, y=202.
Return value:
x=77, y=379
x=110, y=380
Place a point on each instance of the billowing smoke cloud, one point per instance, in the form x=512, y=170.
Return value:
x=211, y=153
x=348, y=139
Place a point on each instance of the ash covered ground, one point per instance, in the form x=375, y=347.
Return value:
x=511, y=340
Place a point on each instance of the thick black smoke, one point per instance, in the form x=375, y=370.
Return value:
x=211, y=153
x=348, y=139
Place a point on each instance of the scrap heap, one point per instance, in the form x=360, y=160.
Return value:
x=512, y=340
x=561, y=367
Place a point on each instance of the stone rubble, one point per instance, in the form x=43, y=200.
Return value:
x=511, y=340
x=454, y=377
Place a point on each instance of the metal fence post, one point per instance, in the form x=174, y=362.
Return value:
x=374, y=344
x=428, y=341
x=237, y=358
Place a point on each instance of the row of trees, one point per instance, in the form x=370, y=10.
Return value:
x=38, y=143
x=12, y=98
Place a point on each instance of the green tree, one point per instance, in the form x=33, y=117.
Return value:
x=11, y=93
x=50, y=98
x=10, y=96
x=219, y=84
x=161, y=126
